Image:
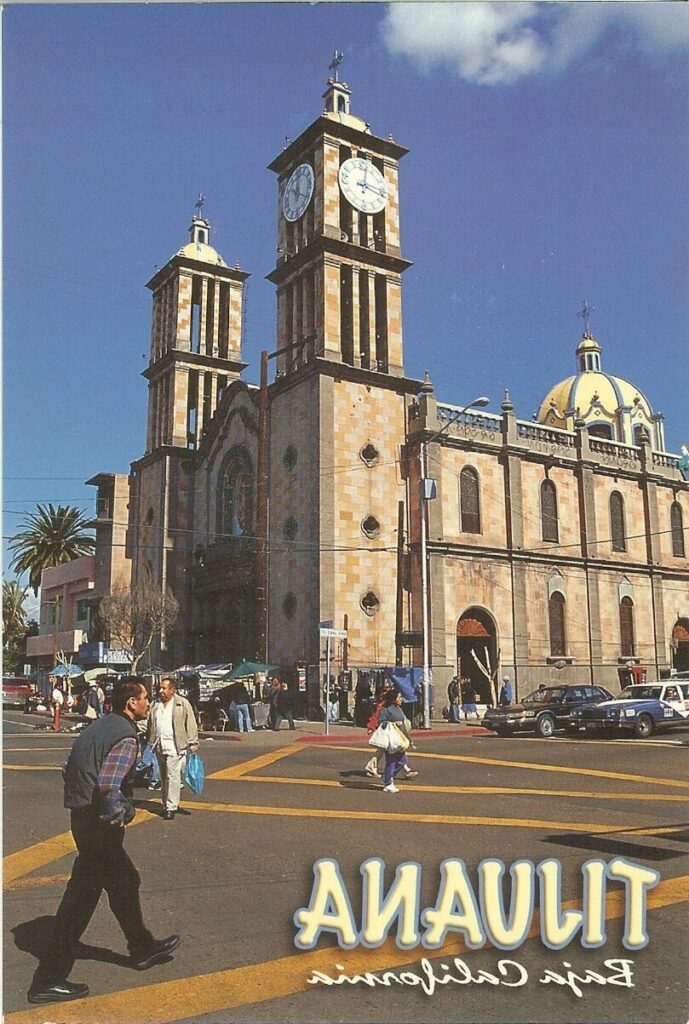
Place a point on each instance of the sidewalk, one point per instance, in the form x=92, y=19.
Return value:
x=339, y=732
x=314, y=732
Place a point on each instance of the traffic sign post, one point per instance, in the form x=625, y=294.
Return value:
x=328, y=633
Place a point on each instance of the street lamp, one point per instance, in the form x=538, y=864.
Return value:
x=427, y=489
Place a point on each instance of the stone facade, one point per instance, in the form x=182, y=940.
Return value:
x=308, y=488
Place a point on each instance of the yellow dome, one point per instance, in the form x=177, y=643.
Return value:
x=592, y=390
x=203, y=252
x=348, y=119
x=609, y=406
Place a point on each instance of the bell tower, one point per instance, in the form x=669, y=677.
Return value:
x=339, y=263
x=340, y=402
x=196, y=339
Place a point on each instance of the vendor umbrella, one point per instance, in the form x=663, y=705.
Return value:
x=250, y=668
x=66, y=670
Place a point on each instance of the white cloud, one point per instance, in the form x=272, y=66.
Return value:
x=499, y=43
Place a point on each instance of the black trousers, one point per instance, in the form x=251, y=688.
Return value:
x=279, y=715
x=101, y=864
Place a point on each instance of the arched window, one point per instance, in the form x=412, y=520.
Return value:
x=618, y=533
x=235, y=500
x=627, y=627
x=549, y=525
x=677, y=528
x=469, y=504
x=556, y=620
x=602, y=430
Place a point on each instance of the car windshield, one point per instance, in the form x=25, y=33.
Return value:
x=640, y=693
x=548, y=695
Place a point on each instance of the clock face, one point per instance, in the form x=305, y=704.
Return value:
x=363, y=185
x=297, y=194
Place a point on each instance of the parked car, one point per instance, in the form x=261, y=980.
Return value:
x=544, y=710
x=640, y=709
x=16, y=690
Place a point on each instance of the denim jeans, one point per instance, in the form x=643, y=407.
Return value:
x=243, y=718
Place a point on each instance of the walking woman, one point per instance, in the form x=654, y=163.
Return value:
x=394, y=762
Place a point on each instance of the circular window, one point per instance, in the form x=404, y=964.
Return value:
x=369, y=454
x=291, y=528
x=370, y=603
x=371, y=527
x=290, y=457
x=150, y=517
x=289, y=606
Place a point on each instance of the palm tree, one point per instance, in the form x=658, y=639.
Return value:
x=49, y=537
x=13, y=611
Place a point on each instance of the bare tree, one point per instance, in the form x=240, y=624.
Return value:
x=134, y=617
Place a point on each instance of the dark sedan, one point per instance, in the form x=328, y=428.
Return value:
x=544, y=711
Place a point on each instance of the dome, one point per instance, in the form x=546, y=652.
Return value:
x=203, y=252
x=610, y=406
x=349, y=119
x=199, y=248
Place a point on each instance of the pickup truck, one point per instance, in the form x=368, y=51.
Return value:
x=640, y=709
x=16, y=690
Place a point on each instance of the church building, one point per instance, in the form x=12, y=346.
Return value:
x=555, y=548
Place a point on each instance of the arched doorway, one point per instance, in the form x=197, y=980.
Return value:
x=477, y=642
x=680, y=645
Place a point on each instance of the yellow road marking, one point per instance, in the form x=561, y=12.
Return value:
x=490, y=790
x=588, y=772
x=37, y=856
x=197, y=996
x=32, y=767
x=424, y=819
x=27, y=750
x=238, y=770
x=34, y=881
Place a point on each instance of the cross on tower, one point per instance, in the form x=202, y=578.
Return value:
x=199, y=204
x=585, y=313
x=334, y=64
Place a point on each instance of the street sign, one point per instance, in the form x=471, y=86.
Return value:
x=334, y=634
x=326, y=624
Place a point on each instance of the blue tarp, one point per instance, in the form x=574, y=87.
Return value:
x=409, y=681
x=66, y=670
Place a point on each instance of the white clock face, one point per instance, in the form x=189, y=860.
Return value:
x=297, y=194
x=363, y=185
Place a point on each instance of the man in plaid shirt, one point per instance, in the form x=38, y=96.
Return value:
x=98, y=793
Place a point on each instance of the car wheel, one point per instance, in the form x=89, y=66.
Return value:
x=545, y=726
x=502, y=731
x=643, y=727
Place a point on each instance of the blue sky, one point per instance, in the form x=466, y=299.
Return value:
x=548, y=164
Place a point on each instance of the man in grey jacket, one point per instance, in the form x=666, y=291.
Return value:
x=98, y=790
x=172, y=733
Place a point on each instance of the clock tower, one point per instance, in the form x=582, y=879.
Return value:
x=340, y=401
x=339, y=263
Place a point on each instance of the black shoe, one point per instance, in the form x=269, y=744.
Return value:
x=159, y=950
x=168, y=815
x=60, y=992
x=182, y=810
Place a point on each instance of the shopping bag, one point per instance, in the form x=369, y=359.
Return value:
x=194, y=774
x=380, y=738
x=398, y=742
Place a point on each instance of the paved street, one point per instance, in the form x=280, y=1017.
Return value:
x=241, y=865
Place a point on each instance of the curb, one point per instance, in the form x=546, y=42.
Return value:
x=361, y=736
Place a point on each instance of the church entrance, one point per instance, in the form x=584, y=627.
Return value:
x=477, y=652
x=680, y=645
